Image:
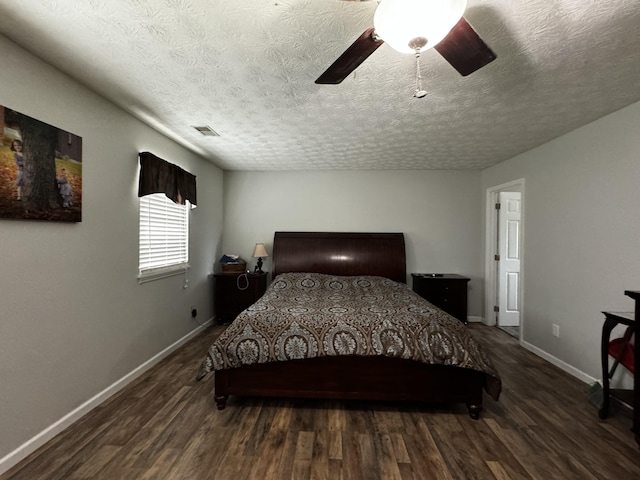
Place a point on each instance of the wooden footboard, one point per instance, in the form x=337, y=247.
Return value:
x=354, y=378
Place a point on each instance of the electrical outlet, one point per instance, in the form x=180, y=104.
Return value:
x=194, y=312
x=555, y=330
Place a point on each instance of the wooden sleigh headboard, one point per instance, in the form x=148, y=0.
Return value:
x=340, y=253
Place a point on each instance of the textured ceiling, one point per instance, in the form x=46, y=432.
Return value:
x=247, y=69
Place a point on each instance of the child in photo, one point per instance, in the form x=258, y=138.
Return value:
x=18, y=156
x=65, y=189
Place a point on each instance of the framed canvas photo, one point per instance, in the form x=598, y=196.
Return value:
x=40, y=170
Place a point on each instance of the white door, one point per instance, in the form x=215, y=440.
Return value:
x=509, y=223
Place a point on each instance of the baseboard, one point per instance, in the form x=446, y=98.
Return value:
x=488, y=321
x=474, y=319
x=571, y=370
x=31, y=445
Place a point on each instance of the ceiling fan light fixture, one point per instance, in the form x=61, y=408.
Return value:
x=399, y=22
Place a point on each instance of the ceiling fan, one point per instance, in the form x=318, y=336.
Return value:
x=413, y=26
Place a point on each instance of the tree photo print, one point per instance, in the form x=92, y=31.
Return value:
x=40, y=170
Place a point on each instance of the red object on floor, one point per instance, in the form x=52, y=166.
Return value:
x=627, y=358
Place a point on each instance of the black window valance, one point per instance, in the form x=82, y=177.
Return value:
x=159, y=176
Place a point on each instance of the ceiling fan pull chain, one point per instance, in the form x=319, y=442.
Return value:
x=419, y=93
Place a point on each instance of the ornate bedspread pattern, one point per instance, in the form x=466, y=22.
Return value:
x=304, y=315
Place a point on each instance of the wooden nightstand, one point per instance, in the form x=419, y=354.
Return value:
x=447, y=291
x=234, y=292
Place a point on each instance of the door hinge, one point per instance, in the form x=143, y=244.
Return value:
x=496, y=308
x=498, y=206
x=496, y=258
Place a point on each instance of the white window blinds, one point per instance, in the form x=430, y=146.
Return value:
x=164, y=236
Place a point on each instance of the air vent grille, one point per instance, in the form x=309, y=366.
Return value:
x=208, y=131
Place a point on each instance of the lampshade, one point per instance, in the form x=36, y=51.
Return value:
x=398, y=22
x=260, y=251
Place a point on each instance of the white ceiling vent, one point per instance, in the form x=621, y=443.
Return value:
x=207, y=131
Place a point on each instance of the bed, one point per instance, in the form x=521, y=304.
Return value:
x=285, y=345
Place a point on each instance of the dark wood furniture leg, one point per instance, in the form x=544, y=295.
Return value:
x=474, y=411
x=609, y=324
x=221, y=401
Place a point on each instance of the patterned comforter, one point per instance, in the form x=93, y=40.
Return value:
x=304, y=315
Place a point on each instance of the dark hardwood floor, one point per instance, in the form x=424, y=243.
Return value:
x=165, y=426
x=513, y=331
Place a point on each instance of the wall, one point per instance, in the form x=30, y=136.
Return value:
x=74, y=319
x=438, y=211
x=582, y=232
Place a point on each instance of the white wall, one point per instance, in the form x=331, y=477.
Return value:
x=582, y=233
x=438, y=211
x=74, y=319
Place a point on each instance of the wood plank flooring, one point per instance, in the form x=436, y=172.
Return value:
x=165, y=426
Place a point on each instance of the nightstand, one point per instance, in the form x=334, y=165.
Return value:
x=446, y=291
x=234, y=292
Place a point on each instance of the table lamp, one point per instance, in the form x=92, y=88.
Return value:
x=258, y=253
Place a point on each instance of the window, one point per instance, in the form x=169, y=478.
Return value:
x=164, y=237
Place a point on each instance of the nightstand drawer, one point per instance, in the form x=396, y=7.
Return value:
x=446, y=291
x=235, y=292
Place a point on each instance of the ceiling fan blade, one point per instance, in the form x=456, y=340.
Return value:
x=464, y=49
x=350, y=59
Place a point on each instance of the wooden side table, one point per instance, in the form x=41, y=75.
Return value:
x=234, y=292
x=446, y=291
x=629, y=397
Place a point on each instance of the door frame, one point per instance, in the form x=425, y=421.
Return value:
x=491, y=241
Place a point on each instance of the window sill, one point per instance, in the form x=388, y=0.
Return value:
x=162, y=272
